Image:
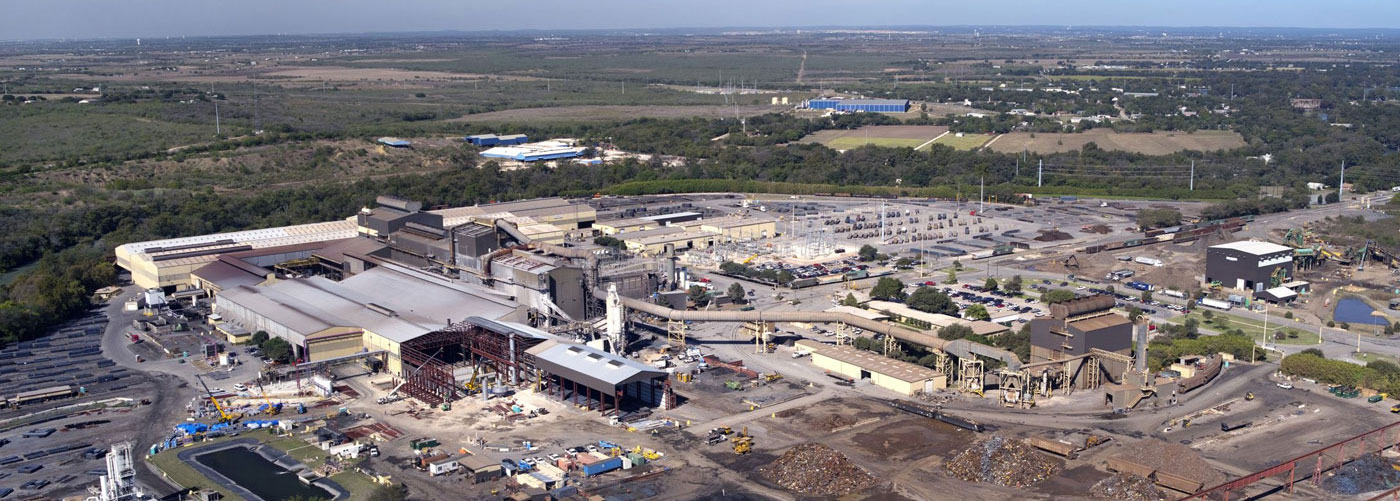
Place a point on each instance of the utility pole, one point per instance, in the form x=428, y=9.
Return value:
x=217, y=130
x=1040, y=174
x=1193, y=175
x=1266, y=327
x=981, y=195
x=1342, y=181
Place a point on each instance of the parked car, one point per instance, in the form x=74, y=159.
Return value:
x=1286, y=385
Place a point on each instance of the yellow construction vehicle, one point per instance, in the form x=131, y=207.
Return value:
x=271, y=409
x=750, y=259
x=1249, y=396
x=772, y=377
x=224, y=416
x=743, y=443
x=472, y=386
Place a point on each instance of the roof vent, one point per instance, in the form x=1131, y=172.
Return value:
x=595, y=356
x=574, y=350
x=381, y=310
x=615, y=364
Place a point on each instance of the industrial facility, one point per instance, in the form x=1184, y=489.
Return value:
x=1249, y=266
x=862, y=105
x=553, y=149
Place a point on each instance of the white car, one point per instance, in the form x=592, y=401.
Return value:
x=240, y=387
x=1286, y=386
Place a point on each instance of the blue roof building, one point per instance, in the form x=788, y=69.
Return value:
x=394, y=142
x=868, y=105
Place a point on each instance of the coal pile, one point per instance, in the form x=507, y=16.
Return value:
x=1126, y=487
x=1003, y=461
x=816, y=470
x=1368, y=473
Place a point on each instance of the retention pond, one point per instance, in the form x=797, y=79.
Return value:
x=255, y=473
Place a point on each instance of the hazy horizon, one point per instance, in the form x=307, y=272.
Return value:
x=88, y=19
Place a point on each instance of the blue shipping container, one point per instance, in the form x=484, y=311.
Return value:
x=602, y=467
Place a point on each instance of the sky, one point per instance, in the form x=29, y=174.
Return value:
x=40, y=19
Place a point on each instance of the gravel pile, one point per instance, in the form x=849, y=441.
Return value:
x=1126, y=487
x=1368, y=473
x=816, y=470
x=1176, y=459
x=1003, y=461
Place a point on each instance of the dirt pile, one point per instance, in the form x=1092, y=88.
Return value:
x=1052, y=236
x=816, y=470
x=1175, y=459
x=1099, y=228
x=1126, y=487
x=1369, y=473
x=1003, y=461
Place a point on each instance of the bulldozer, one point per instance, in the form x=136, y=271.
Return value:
x=743, y=442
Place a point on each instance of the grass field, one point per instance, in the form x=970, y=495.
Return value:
x=605, y=113
x=1154, y=143
x=1251, y=327
x=895, y=136
x=966, y=142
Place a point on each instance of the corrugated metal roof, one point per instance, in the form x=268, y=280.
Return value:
x=590, y=366
x=1253, y=247
x=873, y=362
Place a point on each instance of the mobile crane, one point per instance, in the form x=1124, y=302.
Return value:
x=224, y=416
x=272, y=409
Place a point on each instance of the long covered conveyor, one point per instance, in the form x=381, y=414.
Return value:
x=960, y=348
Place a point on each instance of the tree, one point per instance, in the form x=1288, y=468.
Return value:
x=731, y=268
x=1158, y=218
x=977, y=312
x=904, y=262
x=867, y=252
x=698, y=295
x=931, y=300
x=1057, y=296
x=785, y=277
x=990, y=284
x=736, y=292
x=889, y=289
x=277, y=349
x=850, y=300
x=1012, y=285
x=1134, y=313
x=1147, y=296
x=955, y=331
x=952, y=276
x=1207, y=314
x=260, y=337
x=1331, y=198
x=607, y=241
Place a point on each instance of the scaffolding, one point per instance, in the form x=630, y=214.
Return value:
x=119, y=484
x=460, y=345
x=970, y=376
x=675, y=334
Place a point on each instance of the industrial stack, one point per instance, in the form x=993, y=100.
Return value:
x=1003, y=461
x=816, y=470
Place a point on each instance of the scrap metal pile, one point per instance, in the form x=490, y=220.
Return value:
x=1126, y=487
x=1368, y=473
x=1003, y=461
x=816, y=470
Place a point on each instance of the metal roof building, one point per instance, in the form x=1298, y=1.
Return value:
x=868, y=105
x=535, y=152
x=598, y=379
x=394, y=142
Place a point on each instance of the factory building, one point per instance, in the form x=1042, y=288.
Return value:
x=677, y=217
x=168, y=263
x=394, y=142
x=1249, y=266
x=494, y=140
x=1076, y=327
x=905, y=314
x=901, y=377
x=866, y=105
x=583, y=375
x=655, y=242
x=375, y=310
x=536, y=152
x=615, y=226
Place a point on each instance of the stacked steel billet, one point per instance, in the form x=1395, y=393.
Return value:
x=1366, y=474
x=1126, y=487
x=816, y=470
x=1003, y=461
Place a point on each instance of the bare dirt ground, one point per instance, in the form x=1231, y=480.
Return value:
x=601, y=113
x=342, y=73
x=922, y=132
x=1155, y=143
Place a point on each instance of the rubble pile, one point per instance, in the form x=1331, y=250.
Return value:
x=1003, y=461
x=831, y=422
x=1099, y=228
x=816, y=470
x=1126, y=487
x=1176, y=459
x=1368, y=473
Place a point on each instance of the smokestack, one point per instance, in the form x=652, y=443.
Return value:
x=1140, y=337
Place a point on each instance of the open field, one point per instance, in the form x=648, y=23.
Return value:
x=966, y=142
x=340, y=73
x=1154, y=143
x=1251, y=327
x=606, y=113
x=880, y=135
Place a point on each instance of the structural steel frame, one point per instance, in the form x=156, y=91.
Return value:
x=1321, y=460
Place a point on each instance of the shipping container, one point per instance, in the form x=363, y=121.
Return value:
x=602, y=467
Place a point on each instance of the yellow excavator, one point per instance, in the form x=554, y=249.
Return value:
x=224, y=416
x=750, y=259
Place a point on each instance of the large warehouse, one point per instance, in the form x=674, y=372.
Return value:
x=867, y=105
x=1249, y=265
x=375, y=310
x=902, y=377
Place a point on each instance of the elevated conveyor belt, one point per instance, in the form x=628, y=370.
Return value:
x=961, y=348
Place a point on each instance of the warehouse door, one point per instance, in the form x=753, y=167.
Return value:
x=864, y=374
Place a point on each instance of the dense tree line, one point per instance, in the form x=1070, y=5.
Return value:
x=57, y=288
